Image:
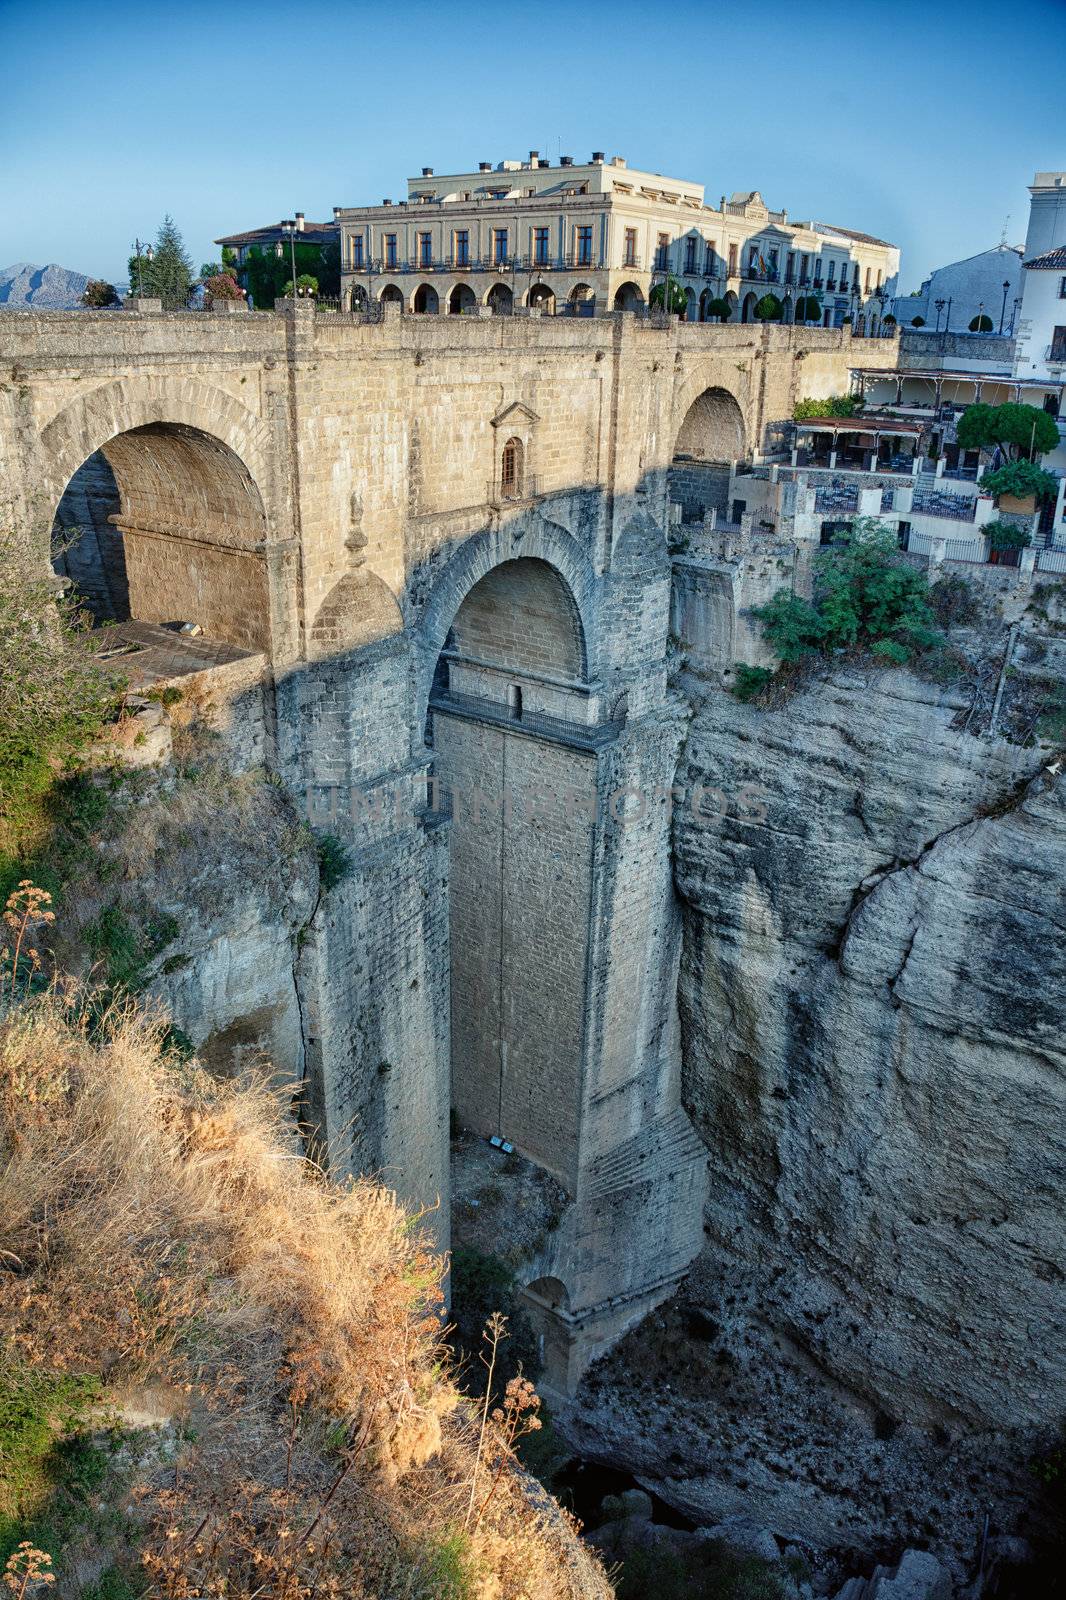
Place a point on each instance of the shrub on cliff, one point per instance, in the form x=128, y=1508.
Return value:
x=54, y=695
x=866, y=597
x=168, y=1256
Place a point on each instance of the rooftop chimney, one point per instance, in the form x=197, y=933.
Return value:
x=597, y=155
x=299, y=222
x=566, y=161
x=543, y=163
x=336, y=212
x=427, y=172
x=484, y=166
x=386, y=202
x=618, y=161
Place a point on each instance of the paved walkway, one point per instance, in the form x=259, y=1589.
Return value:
x=148, y=652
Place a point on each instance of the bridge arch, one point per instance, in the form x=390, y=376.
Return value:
x=186, y=462
x=532, y=537
x=709, y=424
x=513, y=761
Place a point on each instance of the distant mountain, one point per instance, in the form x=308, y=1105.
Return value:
x=51, y=288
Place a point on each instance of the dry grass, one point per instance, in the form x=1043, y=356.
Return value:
x=164, y=1235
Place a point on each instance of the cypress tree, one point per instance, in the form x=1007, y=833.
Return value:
x=170, y=275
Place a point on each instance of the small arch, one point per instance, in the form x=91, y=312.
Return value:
x=691, y=313
x=541, y=298
x=462, y=298
x=512, y=474
x=500, y=300
x=733, y=303
x=627, y=297
x=391, y=295
x=546, y=1303
x=581, y=301
x=427, y=301
x=359, y=610
x=788, y=310
x=751, y=300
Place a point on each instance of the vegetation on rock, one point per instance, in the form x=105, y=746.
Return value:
x=221, y=1369
x=54, y=694
x=866, y=597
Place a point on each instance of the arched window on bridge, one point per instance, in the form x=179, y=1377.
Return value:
x=511, y=470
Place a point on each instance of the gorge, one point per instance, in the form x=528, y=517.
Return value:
x=783, y=1074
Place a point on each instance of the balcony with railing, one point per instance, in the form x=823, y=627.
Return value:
x=518, y=491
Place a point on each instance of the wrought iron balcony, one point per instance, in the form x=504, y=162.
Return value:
x=504, y=494
x=631, y=263
x=578, y=258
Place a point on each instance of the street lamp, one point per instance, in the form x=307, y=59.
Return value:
x=940, y=304
x=1003, y=307
x=290, y=229
x=148, y=254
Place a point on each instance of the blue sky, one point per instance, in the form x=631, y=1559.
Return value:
x=918, y=122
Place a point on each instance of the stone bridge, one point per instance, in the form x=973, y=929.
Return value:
x=440, y=544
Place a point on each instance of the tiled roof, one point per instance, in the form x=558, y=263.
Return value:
x=1050, y=261
x=849, y=233
x=311, y=233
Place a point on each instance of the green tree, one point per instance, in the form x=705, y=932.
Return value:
x=865, y=596
x=769, y=309
x=266, y=272
x=719, y=308
x=1015, y=428
x=808, y=308
x=306, y=284
x=678, y=298
x=170, y=274
x=98, y=293
x=1022, y=480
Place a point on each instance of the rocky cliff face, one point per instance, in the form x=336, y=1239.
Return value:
x=872, y=991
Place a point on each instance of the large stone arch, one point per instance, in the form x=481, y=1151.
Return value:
x=85, y=426
x=532, y=536
x=708, y=419
x=187, y=461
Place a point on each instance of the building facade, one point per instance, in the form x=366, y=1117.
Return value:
x=530, y=235
x=987, y=284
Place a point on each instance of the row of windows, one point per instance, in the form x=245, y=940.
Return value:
x=460, y=257
x=760, y=263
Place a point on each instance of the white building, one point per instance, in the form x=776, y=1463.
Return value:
x=1041, y=342
x=527, y=234
x=987, y=284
